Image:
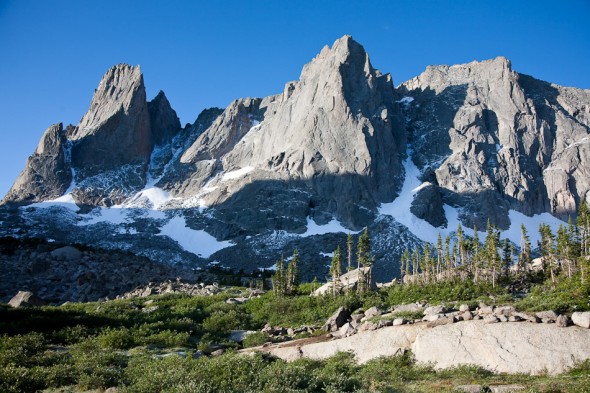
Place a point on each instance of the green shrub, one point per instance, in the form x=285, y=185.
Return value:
x=21, y=350
x=255, y=339
x=115, y=338
x=168, y=338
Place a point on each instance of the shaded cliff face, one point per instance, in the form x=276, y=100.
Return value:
x=47, y=172
x=491, y=140
x=337, y=150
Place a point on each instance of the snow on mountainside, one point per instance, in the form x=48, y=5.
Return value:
x=336, y=151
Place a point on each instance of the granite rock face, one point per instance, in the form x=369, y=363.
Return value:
x=47, y=172
x=492, y=139
x=164, y=122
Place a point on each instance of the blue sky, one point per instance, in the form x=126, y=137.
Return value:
x=205, y=54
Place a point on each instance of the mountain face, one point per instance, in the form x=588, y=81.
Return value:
x=337, y=150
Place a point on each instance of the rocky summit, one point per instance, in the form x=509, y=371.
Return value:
x=338, y=150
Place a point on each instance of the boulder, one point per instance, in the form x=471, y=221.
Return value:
x=440, y=322
x=547, y=315
x=337, y=320
x=469, y=388
x=467, y=316
x=581, y=319
x=25, y=299
x=463, y=308
x=372, y=312
x=563, y=321
x=68, y=253
x=434, y=310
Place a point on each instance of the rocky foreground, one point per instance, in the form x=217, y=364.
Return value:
x=541, y=343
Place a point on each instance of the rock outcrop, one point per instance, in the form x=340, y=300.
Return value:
x=510, y=348
x=503, y=140
x=47, y=172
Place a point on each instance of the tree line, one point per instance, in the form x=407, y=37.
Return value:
x=564, y=253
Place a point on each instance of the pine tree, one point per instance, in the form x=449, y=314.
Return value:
x=416, y=260
x=364, y=260
x=475, y=258
x=439, y=254
x=461, y=244
x=507, y=256
x=292, y=277
x=336, y=270
x=583, y=222
x=349, y=249
x=546, y=247
x=563, y=247
x=448, y=260
x=524, y=257
x=405, y=264
x=278, y=279
x=491, y=257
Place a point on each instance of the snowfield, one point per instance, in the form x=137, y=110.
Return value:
x=197, y=242
x=400, y=210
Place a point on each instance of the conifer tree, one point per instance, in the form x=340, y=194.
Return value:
x=563, y=248
x=524, y=257
x=363, y=259
x=546, y=249
x=336, y=270
x=439, y=254
x=405, y=264
x=278, y=279
x=292, y=276
x=349, y=249
x=461, y=244
x=475, y=262
x=583, y=222
x=507, y=256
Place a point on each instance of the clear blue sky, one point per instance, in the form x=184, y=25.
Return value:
x=203, y=54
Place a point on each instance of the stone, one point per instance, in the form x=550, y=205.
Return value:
x=25, y=299
x=563, y=321
x=548, y=315
x=440, y=322
x=337, y=320
x=412, y=307
x=504, y=348
x=502, y=318
x=68, y=252
x=218, y=352
x=372, y=312
x=484, y=310
x=504, y=310
x=581, y=319
x=399, y=321
x=434, y=310
x=463, y=308
x=514, y=318
x=490, y=319
x=467, y=316
x=432, y=317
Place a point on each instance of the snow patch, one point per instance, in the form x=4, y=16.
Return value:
x=327, y=254
x=111, y=215
x=153, y=197
x=400, y=210
x=237, y=173
x=406, y=100
x=333, y=226
x=197, y=242
x=66, y=201
x=531, y=224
